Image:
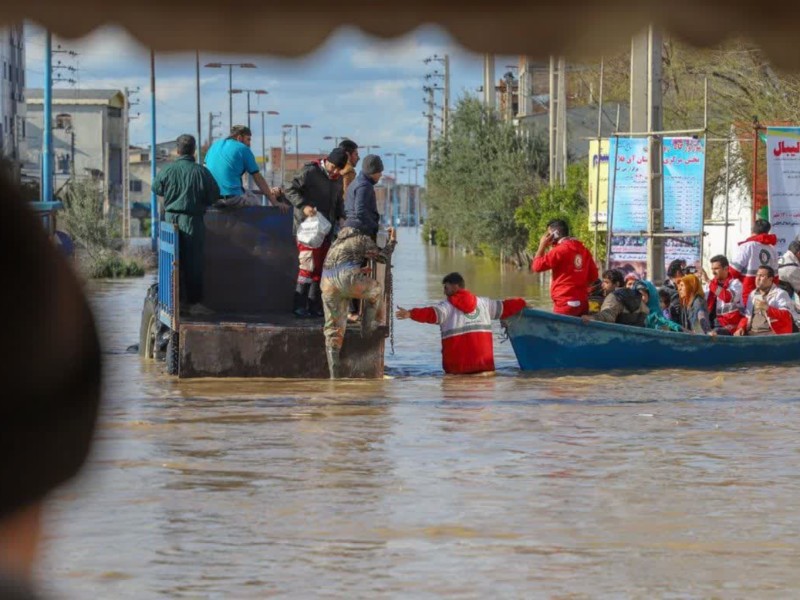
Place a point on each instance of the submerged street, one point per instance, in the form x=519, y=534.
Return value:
x=661, y=484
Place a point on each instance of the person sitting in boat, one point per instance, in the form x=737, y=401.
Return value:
x=769, y=310
x=621, y=305
x=789, y=266
x=664, y=298
x=723, y=297
x=573, y=266
x=655, y=318
x=630, y=280
x=465, y=321
x=694, y=310
x=675, y=272
x=754, y=252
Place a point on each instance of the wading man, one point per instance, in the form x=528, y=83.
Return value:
x=188, y=190
x=344, y=278
x=465, y=321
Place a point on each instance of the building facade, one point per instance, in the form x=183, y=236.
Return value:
x=12, y=91
x=89, y=136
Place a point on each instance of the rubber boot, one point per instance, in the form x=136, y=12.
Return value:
x=300, y=308
x=315, y=300
x=334, y=364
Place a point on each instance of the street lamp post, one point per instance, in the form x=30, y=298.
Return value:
x=248, y=92
x=219, y=65
x=335, y=138
x=297, y=128
x=394, y=184
x=369, y=148
x=264, y=136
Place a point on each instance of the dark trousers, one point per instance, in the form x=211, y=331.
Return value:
x=191, y=241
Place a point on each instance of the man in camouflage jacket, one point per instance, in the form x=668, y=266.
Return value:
x=343, y=278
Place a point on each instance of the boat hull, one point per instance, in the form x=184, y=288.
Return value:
x=547, y=341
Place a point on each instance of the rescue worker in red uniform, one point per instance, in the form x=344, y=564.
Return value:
x=755, y=252
x=466, y=324
x=573, y=267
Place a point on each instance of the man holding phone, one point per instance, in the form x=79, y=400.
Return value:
x=573, y=267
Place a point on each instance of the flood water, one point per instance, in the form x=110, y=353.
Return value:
x=669, y=484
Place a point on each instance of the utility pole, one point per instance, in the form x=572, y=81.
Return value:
x=198, y=150
x=430, y=122
x=153, y=158
x=127, y=117
x=558, y=122
x=646, y=115
x=489, y=99
x=525, y=89
x=213, y=124
x=47, y=122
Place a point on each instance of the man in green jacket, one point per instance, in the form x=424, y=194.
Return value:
x=188, y=190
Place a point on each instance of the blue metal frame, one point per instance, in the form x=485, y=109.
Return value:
x=168, y=257
x=547, y=341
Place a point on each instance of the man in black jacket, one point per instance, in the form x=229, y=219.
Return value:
x=317, y=188
x=361, y=209
x=360, y=204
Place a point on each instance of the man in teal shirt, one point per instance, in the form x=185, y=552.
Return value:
x=188, y=190
x=230, y=158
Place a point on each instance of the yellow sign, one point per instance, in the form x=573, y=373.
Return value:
x=598, y=202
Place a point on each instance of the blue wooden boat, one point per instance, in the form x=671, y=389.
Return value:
x=547, y=341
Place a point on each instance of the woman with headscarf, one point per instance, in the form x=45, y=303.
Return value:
x=694, y=311
x=655, y=318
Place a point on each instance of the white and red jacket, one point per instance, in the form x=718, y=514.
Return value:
x=781, y=311
x=466, y=324
x=756, y=251
x=574, y=271
x=725, y=302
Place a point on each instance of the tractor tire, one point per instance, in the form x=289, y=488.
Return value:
x=148, y=328
x=173, y=357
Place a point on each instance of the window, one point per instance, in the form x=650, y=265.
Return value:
x=135, y=185
x=63, y=163
x=63, y=121
x=5, y=70
x=114, y=112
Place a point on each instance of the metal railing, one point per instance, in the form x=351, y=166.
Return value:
x=168, y=305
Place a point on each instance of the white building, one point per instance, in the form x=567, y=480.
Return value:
x=12, y=87
x=89, y=137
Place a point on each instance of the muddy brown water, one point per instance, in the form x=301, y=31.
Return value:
x=669, y=484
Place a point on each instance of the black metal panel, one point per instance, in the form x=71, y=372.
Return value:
x=230, y=349
x=250, y=260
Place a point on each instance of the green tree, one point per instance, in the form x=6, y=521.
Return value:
x=478, y=177
x=569, y=202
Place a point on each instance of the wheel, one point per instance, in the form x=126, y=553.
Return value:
x=172, y=354
x=148, y=327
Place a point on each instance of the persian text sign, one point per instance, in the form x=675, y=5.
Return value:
x=684, y=176
x=598, y=193
x=783, y=183
x=628, y=184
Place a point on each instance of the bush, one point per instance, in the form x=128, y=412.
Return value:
x=113, y=266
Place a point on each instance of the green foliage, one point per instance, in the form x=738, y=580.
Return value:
x=478, y=177
x=113, y=265
x=569, y=203
x=97, y=234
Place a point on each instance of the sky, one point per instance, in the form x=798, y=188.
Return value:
x=355, y=85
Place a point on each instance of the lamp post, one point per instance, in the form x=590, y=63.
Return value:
x=297, y=128
x=219, y=65
x=264, y=136
x=369, y=148
x=335, y=138
x=248, y=92
x=394, y=183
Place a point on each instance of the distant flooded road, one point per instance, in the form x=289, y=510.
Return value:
x=672, y=484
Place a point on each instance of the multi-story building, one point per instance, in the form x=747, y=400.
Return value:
x=12, y=88
x=89, y=137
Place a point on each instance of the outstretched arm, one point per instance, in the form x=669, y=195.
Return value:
x=420, y=315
